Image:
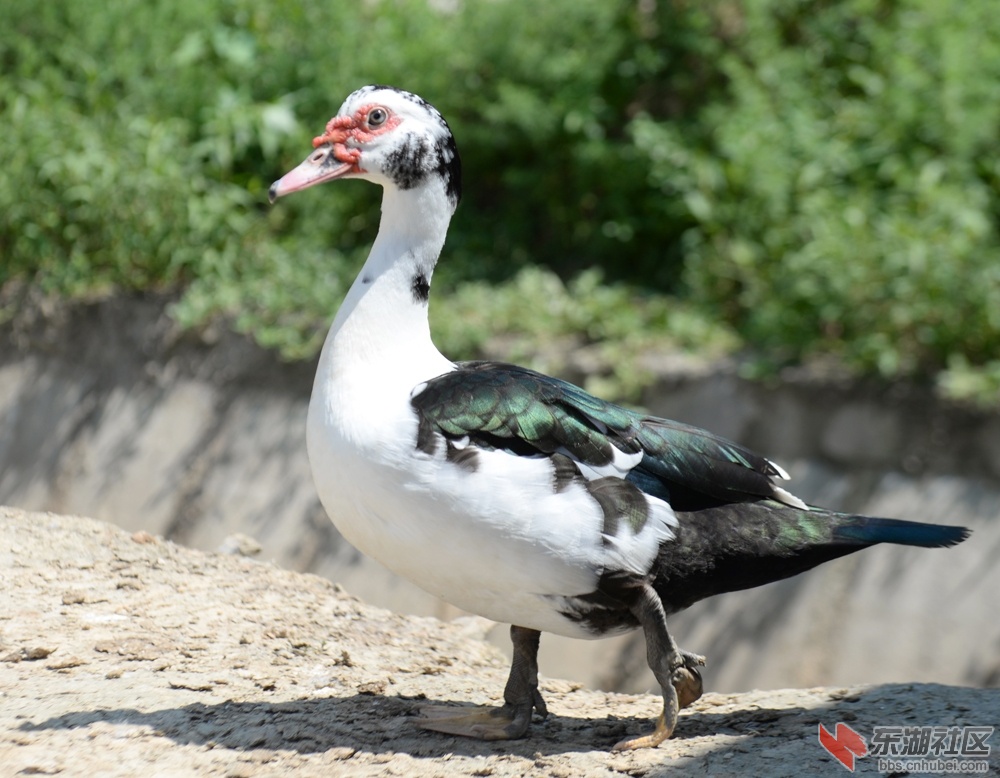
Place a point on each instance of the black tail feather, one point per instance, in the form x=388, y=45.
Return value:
x=867, y=531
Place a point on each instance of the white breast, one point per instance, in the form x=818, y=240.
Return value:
x=496, y=542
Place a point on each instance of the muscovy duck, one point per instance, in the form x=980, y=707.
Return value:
x=518, y=496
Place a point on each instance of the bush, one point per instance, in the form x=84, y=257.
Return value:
x=848, y=201
x=821, y=178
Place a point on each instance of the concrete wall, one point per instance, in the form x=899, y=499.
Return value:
x=106, y=410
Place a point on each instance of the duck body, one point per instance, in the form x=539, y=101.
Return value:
x=492, y=535
x=410, y=512
x=518, y=496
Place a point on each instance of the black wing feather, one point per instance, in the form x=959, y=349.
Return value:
x=501, y=406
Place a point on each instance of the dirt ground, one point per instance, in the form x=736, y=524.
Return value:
x=125, y=655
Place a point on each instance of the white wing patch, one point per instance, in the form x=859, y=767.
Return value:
x=780, y=471
x=783, y=495
x=619, y=466
x=636, y=552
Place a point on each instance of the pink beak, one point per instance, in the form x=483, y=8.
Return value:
x=322, y=165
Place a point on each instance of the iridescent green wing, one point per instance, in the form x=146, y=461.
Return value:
x=499, y=406
x=693, y=464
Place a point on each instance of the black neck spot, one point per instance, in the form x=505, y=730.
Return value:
x=421, y=288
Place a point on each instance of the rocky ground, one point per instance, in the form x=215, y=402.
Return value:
x=125, y=655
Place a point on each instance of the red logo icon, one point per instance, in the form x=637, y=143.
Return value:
x=844, y=746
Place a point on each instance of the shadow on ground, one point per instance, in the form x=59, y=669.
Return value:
x=385, y=724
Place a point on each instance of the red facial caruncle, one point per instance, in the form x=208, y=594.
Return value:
x=362, y=126
x=338, y=151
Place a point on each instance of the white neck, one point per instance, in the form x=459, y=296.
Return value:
x=382, y=323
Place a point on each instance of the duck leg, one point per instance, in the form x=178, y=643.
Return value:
x=511, y=720
x=675, y=670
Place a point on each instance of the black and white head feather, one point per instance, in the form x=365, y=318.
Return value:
x=384, y=135
x=423, y=144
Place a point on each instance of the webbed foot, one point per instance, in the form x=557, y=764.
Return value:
x=687, y=678
x=509, y=721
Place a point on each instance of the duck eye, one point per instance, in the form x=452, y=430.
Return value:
x=377, y=117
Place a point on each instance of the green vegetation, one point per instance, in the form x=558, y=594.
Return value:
x=797, y=179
